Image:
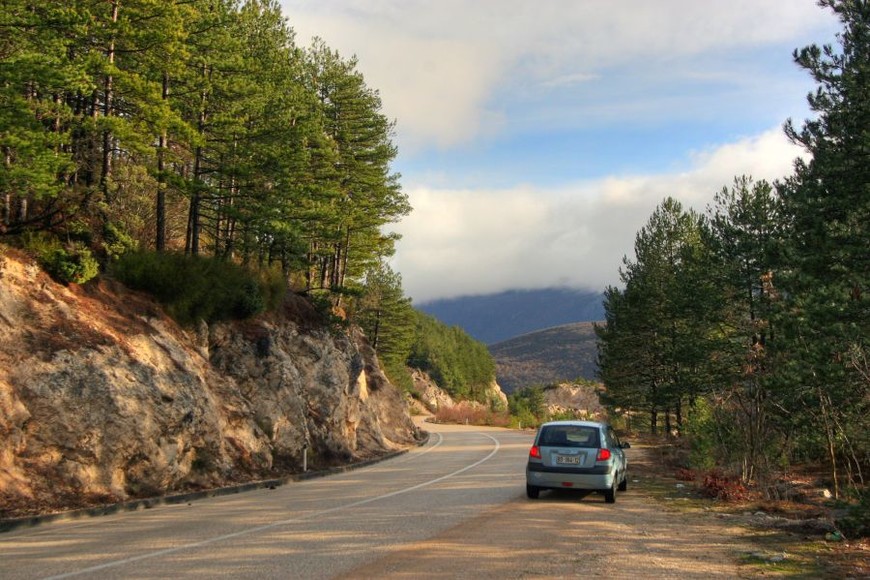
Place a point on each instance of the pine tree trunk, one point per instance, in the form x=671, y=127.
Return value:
x=108, y=95
x=194, y=225
x=824, y=403
x=160, y=237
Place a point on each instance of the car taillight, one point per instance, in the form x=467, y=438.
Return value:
x=535, y=452
x=603, y=455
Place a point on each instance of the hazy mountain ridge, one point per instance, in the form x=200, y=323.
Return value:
x=562, y=353
x=494, y=318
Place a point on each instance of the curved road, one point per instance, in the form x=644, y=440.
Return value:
x=455, y=508
x=316, y=528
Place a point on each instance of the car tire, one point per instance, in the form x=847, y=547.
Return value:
x=610, y=494
x=532, y=491
x=623, y=485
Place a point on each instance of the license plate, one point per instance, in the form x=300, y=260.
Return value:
x=568, y=459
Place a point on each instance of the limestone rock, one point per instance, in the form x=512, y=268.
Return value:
x=105, y=398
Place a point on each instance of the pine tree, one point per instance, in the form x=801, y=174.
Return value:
x=744, y=232
x=828, y=204
x=368, y=194
x=649, y=352
x=36, y=74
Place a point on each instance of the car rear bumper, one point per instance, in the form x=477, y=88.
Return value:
x=562, y=478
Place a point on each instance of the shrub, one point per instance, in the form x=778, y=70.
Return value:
x=399, y=375
x=684, y=474
x=856, y=522
x=719, y=486
x=70, y=263
x=700, y=430
x=195, y=288
x=472, y=414
x=117, y=242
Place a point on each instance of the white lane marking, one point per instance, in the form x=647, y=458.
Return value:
x=410, y=456
x=97, y=521
x=283, y=522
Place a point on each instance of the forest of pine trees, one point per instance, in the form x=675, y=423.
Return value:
x=195, y=126
x=746, y=328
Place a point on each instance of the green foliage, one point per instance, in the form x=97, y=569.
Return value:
x=398, y=374
x=856, y=522
x=116, y=242
x=651, y=347
x=195, y=288
x=273, y=287
x=254, y=149
x=322, y=300
x=701, y=430
x=386, y=316
x=66, y=263
x=824, y=318
x=527, y=406
x=456, y=362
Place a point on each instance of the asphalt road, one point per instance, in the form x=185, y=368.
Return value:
x=319, y=528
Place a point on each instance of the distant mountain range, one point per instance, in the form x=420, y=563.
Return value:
x=494, y=318
x=563, y=353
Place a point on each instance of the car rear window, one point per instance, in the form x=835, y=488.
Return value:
x=568, y=436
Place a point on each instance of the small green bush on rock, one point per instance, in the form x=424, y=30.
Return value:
x=69, y=263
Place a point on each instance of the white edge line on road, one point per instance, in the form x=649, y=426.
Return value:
x=93, y=522
x=283, y=522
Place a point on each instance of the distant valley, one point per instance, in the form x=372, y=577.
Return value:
x=494, y=318
x=536, y=337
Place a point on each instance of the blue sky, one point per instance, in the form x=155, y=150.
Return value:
x=536, y=137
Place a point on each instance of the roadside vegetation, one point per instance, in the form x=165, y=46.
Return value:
x=744, y=329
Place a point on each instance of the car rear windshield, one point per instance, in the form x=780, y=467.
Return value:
x=568, y=436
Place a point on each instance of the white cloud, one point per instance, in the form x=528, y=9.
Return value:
x=458, y=73
x=462, y=242
x=445, y=69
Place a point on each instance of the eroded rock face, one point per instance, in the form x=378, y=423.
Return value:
x=431, y=395
x=104, y=398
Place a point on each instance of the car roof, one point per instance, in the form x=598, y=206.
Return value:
x=576, y=423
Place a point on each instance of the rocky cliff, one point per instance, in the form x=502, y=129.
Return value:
x=104, y=398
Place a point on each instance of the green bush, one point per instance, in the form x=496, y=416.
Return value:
x=116, y=242
x=399, y=375
x=700, y=430
x=195, y=288
x=70, y=263
x=856, y=522
x=273, y=287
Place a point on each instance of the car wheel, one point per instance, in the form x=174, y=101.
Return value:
x=623, y=485
x=532, y=491
x=610, y=494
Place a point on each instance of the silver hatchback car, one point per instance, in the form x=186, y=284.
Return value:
x=582, y=455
